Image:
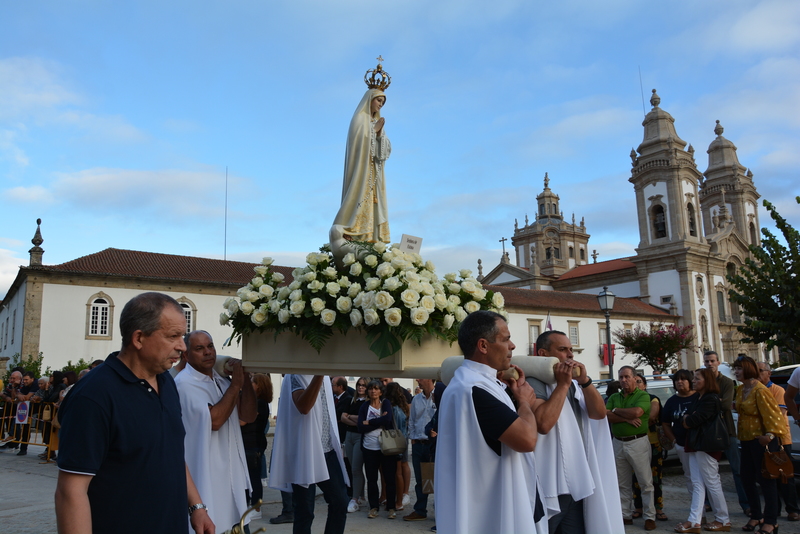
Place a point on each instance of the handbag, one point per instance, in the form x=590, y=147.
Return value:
x=710, y=437
x=47, y=413
x=392, y=441
x=777, y=464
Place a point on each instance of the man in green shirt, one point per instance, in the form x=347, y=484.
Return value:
x=628, y=412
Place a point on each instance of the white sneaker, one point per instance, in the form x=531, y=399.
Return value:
x=255, y=514
x=406, y=500
x=352, y=507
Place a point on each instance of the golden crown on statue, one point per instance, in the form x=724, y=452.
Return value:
x=378, y=78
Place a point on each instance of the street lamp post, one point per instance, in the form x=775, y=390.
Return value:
x=606, y=301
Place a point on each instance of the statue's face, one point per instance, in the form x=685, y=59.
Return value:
x=377, y=104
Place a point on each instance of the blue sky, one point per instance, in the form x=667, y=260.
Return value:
x=118, y=119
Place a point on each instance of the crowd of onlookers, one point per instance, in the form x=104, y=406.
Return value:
x=46, y=394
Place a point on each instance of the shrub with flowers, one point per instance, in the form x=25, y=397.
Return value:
x=658, y=345
x=392, y=295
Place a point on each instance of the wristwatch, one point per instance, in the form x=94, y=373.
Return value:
x=587, y=383
x=770, y=435
x=198, y=506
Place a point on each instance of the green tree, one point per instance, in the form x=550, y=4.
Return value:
x=767, y=288
x=657, y=345
x=28, y=364
x=77, y=367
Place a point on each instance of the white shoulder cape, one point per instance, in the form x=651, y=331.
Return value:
x=476, y=490
x=297, y=456
x=584, y=469
x=216, y=459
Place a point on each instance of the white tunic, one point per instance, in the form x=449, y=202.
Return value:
x=476, y=490
x=297, y=453
x=216, y=459
x=582, y=466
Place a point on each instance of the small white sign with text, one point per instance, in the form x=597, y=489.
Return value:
x=410, y=243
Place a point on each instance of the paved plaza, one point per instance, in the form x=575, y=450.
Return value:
x=27, y=487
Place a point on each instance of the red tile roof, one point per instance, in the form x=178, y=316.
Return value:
x=562, y=300
x=597, y=268
x=134, y=263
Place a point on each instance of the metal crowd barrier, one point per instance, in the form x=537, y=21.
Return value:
x=30, y=423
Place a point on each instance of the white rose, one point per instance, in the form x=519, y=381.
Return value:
x=353, y=290
x=479, y=294
x=472, y=306
x=450, y=277
x=383, y=300
x=296, y=283
x=267, y=261
x=428, y=303
x=465, y=273
x=371, y=260
x=384, y=270
x=327, y=317
x=371, y=317
x=430, y=266
x=454, y=288
x=460, y=314
x=440, y=300
x=333, y=288
x=416, y=258
x=349, y=259
x=343, y=304
x=259, y=318
x=310, y=276
x=498, y=301
x=367, y=300
x=253, y=296
x=247, y=307
x=322, y=257
x=297, y=272
x=315, y=286
x=274, y=306
x=283, y=316
x=233, y=307
x=427, y=289
x=277, y=278
x=330, y=272
x=469, y=287
x=416, y=286
x=266, y=290
x=311, y=258
x=411, y=276
x=393, y=316
x=449, y=319
x=419, y=316
x=283, y=293
x=410, y=298
x=297, y=307
x=317, y=305
x=372, y=284
x=260, y=270
x=257, y=282
x=344, y=282
x=296, y=295
x=391, y=283
x=355, y=269
x=224, y=318
x=427, y=275
x=228, y=302
x=388, y=256
x=400, y=263
x=455, y=299
x=355, y=318
x=379, y=247
x=243, y=291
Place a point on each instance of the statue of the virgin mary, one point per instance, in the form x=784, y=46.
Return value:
x=363, y=214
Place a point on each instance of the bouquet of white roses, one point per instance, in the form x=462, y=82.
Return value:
x=392, y=295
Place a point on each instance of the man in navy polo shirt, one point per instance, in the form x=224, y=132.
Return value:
x=121, y=455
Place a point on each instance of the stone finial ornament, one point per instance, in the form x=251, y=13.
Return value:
x=718, y=129
x=36, y=251
x=655, y=100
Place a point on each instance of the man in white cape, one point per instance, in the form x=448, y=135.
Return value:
x=306, y=452
x=211, y=408
x=574, y=454
x=485, y=478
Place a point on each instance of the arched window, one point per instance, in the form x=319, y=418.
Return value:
x=735, y=316
x=541, y=209
x=659, y=221
x=583, y=255
x=99, y=316
x=692, y=223
x=189, y=311
x=571, y=252
x=753, y=234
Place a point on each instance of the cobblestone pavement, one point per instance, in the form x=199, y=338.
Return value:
x=27, y=486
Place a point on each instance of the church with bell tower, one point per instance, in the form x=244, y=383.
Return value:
x=694, y=229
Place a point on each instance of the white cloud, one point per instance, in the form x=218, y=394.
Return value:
x=9, y=149
x=9, y=267
x=30, y=87
x=35, y=194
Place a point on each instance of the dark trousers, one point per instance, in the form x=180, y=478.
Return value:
x=570, y=519
x=22, y=434
x=335, y=492
x=752, y=457
x=253, y=457
x=657, y=465
x=374, y=460
x=788, y=491
x=420, y=452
